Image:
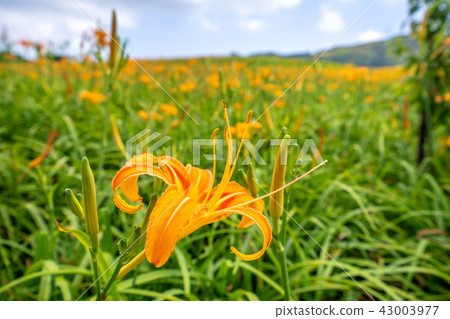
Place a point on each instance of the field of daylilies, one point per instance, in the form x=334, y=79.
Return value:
x=370, y=224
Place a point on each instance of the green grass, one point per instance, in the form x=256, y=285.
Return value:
x=365, y=208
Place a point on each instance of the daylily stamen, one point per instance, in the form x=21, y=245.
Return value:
x=214, y=165
x=249, y=116
x=229, y=170
x=281, y=188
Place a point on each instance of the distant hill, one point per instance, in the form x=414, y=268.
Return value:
x=381, y=53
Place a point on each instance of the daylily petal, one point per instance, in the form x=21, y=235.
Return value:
x=202, y=179
x=200, y=219
x=263, y=224
x=124, y=206
x=176, y=173
x=235, y=194
x=170, y=215
x=130, y=189
x=171, y=172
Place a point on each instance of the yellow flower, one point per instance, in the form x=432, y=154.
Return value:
x=438, y=99
x=156, y=116
x=34, y=75
x=234, y=83
x=158, y=68
x=237, y=105
x=280, y=103
x=278, y=92
x=447, y=97
x=93, y=97
x=322, y=99
x=168, y=109
x=181, y=69
x=310, y=87
x=143, y=115
x=144, y=78
x=270, y=86
x=241, y=128
x=256, y=81
x=265, y=71
x=368, y=99
x=213, y=80
x=188, y=86
x=333, y=86
x=96, y=74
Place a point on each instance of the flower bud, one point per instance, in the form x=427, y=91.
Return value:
x=133, y=240
x=242, y=178
x=74, y=204
x=114, y=43
x=251, y=180
x=89, y=203
x=116, y=136
x=122, y=246
x=276, y=203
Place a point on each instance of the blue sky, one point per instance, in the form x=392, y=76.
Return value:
x=184, y=28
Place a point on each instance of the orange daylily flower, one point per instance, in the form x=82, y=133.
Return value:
x=168, y=109
x=94, y=97
x=143, y=114
x=190, y=200
x=100, y=37
x=241, y=128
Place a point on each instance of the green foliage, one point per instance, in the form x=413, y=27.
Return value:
x=382, y=218
x=430, y=67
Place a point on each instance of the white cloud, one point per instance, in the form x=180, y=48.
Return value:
x=252, y=7
x=370, y=36
x=252, y=24
x=208, y=24
x=330, y=21
x=53, y=21
x=393, y=1
x=249, y=14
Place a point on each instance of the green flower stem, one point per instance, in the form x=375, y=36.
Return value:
x=111, y=279
x=95, y=268
x=284, y=271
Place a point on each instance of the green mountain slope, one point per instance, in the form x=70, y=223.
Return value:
x=380, y=53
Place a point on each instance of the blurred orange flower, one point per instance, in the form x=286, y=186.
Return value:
x=188, y=86
x=168, y=109
x=93, y=97
x=143, y=115
x=100, y=37
x=368, y=99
